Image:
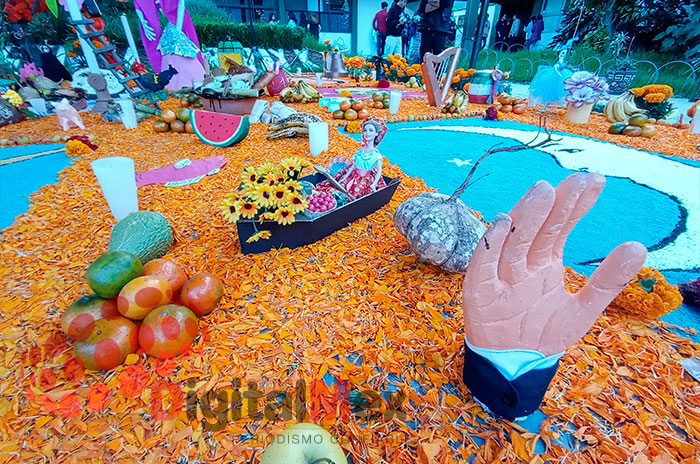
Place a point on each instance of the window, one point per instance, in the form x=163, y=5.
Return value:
x=334, y=14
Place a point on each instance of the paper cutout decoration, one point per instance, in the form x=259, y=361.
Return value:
x=438, y=71
x=67, y=115
x=184, y=172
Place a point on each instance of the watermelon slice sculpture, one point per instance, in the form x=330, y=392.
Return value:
x=219, y=129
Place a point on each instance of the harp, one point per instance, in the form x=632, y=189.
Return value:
x=438, y=71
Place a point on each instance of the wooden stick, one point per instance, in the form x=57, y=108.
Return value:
x=17, y=159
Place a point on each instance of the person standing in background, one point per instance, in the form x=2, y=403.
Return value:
x=537, y=28
x=303, y=22
x=379, y=25
x=502, y=29
x=435, y=25
x=528, y=32
x=314, y=26
x=273, y=18
x=292, y=19
x=409, y=29
x=394, y=26
x=514, y=31
x=485, y=31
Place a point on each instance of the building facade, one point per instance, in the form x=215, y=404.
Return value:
x=347, y=24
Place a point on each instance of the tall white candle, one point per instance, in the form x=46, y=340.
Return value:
x=394, y=101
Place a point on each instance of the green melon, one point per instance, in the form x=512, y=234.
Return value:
x=147, y=234
x=111, y=271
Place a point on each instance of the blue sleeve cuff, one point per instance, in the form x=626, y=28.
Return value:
x=514, y=363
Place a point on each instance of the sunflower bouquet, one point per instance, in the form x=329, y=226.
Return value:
x=267, y=192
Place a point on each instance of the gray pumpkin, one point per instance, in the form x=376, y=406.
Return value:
x=441, y=229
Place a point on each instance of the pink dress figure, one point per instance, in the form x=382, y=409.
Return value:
x=180, y=53
x=363, y=174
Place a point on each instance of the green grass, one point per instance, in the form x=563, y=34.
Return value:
x=523, y=64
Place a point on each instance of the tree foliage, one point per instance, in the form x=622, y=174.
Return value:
x=596, y=22
x=684, y=36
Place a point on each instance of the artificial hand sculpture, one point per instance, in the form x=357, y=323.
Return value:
x=519, y=317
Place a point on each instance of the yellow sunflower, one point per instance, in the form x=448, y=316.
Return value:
x=293, y=186
x=270, y=179
x=248, y=209
x=285, y=216
x=250, y=175
x=266, y=216
x=281, y=177
x=263, y=195
x=231, y=210
x=279, y=195
x=248, y=190
x=296, y=203
x=265, y=169
x=262, y=234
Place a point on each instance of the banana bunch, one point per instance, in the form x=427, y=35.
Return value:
x=302, y=93
x=621, y=108
x=294, y=125
x=457, y=104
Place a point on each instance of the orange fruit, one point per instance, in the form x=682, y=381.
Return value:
x=109, y=343
x=507, y=108
x=169, y=271
x=168, y=330
x=378, y=105
x=346, y=105
x=357, y=105
x=78, y=320
x=350, y=115
x=363, y=114
x=142, y=294
x=202, y=293
x=168, y=116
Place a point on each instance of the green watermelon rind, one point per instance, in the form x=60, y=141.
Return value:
x=239, y=134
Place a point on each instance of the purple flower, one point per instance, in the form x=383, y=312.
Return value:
x=584, y=87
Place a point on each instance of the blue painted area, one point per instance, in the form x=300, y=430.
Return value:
x=501, y=179
x=21, y=179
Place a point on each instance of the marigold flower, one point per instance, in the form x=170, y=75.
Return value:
x=76, y=147
x=654, y=97
x=647, y=297
x=410, y=72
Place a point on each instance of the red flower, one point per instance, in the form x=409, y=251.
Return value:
x=70, y=406
x=132, y=381
x=98, y=397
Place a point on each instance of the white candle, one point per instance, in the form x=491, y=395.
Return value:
x=319, y=76
x=695, y=123
x=318, y=137
x=394, y=101
x=118, y=181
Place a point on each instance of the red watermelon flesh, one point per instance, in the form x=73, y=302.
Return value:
x=219, y=129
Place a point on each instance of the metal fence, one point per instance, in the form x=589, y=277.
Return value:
x=686, y=74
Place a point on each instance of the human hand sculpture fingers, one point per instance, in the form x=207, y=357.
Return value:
x=514, y=294
x=519, y=317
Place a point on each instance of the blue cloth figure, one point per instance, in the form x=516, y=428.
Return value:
x=547, y=88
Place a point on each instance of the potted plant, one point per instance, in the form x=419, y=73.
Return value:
x=584, y=90
x=622, y=72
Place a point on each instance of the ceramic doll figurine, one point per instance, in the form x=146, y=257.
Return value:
x=363, y=174
x=519, y=317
